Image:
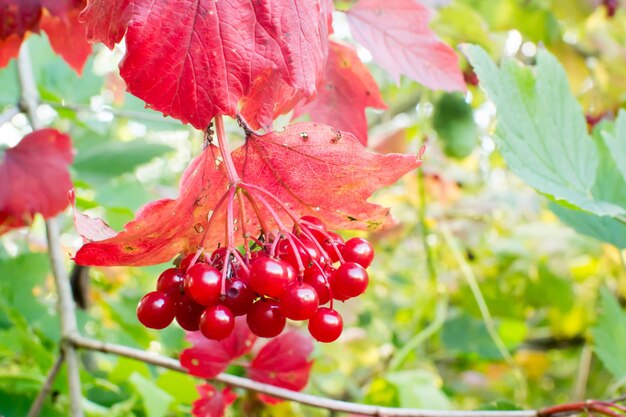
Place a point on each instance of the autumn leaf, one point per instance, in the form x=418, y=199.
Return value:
x=58, y=18
x=283, y=362
x=207, y=358
x=186, y=59
x=212, y=402
x=35, y=178
x=396, y=33
x=292, y=166
x=347, y=90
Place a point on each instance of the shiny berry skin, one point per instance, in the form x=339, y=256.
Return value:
x=265, y=318
x=170, y=280
x=317, y=228
x=217, y=257
x=203, y=283
x=188, y=314
x=156, y=310
x=186, y=261
x=307, y=250
x=327, y=245
x=270, y=276
x=326, y=325
x=358, y=250
x=238, y=298
x=350, y=280
x=217, y=322
x=317, y=279
x=299, y=302
x=314, y=221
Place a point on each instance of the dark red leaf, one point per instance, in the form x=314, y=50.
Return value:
x=59, y=20
x=283, y=362
x=396, y=32
x=212, y=403
x=194, y=60
x=347, y=90
x=35, y=178
x=207, y=358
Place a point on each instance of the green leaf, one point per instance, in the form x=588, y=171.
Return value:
x=418, y=389
x=115, y=158
x=469, y=336
x=453, y=121
x=542, y=131
x=604, y=228
x=609, y=335
x=616, y=142
x=156, y=402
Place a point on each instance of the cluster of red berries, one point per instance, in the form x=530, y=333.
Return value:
x=289, y=277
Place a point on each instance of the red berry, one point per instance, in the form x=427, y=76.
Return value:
x=326, y=325
x=265, y=319
x=171, y=282
x=238, y=298
x=316, y=278
x=313, y=225
x=217, y=322
x=156, y=310
x=327, y=245
x=307, y=250
x=203, y=283
x=314, y=221
x=217, y=257
x=358, y=250
x=270, y=276
x=188, y=314
x=350, y=280
x=299, y=302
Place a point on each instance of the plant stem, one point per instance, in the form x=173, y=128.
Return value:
x=35, y=409
x=430, y=263
x=586, y=356
x=302, y=398
x=67, y=308
x=222, y=140
x=484, y=309
x=130, y=114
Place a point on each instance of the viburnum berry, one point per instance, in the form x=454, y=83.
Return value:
x=299, y=302
x=270, y=277
x=265, y=318
x=170, y=282
x=186, y=261
x=203, y=283
x=332, y=244
x=350, y=280
x=238, y=298
x=156, y=310
x=188, y=314
x=217, y=322
x=217, y=257
x=325, y=325
x=358, y=250
x=316, y=278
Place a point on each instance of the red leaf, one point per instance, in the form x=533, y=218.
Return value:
x=60, y=22
x=207, y=358
x=283, y=362
x=88, y=228
x=396, y=32
x=194, y=60
x=292, y=165
x=35, y=178
x=212, y=403
x=67, y=38
x=347, y=90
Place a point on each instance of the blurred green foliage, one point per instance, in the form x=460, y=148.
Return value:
x=548, y=264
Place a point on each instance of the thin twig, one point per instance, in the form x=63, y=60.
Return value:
x=467, y=272
x=582, y=378
x=129, y=114
x=35, y=409
x=307, y=399
x=67, y=309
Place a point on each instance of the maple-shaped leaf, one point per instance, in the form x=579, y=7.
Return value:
x=212, y=402
x=194, y=60
x=347, y=90
x=58, y=18
x=313, y=169
x=207, y=358
x=396, y=33
x=283, y=362
x=35, y=178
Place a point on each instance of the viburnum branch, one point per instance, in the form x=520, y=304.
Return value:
x=67, y=309
x=299, y=397
x=222, y=140
x=128, y=114
x=244, y=227
x=35, y=409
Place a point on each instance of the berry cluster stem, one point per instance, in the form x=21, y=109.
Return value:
x=222, y=140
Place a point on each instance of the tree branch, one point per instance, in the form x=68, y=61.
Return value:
x=30, y=103
x=35, y=409
x=307, y=399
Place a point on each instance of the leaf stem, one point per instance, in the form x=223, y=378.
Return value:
x=222, y=140
x=35, y=409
